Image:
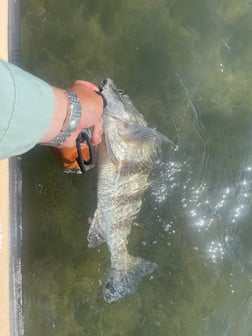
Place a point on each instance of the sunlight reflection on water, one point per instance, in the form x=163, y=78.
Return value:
x=219, y=211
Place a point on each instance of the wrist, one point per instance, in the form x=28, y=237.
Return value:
x=72, y=116
x=59, y=115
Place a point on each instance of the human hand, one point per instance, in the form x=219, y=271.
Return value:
x=92, y=108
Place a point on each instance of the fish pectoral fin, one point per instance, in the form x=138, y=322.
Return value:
x=123, y=281
x=141, y=134
x=95, y=235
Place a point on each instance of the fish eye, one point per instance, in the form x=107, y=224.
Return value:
x=121, y=91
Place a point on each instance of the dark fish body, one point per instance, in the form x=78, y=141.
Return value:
x=124, y=164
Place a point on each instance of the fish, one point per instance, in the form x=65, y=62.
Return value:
x=124, y=161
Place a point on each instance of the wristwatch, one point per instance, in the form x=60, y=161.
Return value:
x=71, y=122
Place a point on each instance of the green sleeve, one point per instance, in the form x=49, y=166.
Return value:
x=26, y=110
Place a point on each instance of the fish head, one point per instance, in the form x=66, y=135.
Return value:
x=127, y=136
x=119, y=107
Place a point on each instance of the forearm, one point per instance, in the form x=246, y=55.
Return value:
x=32, y=111
x=26, y=110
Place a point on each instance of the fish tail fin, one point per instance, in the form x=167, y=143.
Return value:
x=122, y=281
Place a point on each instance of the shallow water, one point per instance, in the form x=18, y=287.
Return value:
x=186, y=65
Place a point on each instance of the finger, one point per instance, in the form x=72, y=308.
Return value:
x=97, y=133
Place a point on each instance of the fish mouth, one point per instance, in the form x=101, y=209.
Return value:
x=107, y=83
x=101, y=84
x=111, y=85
